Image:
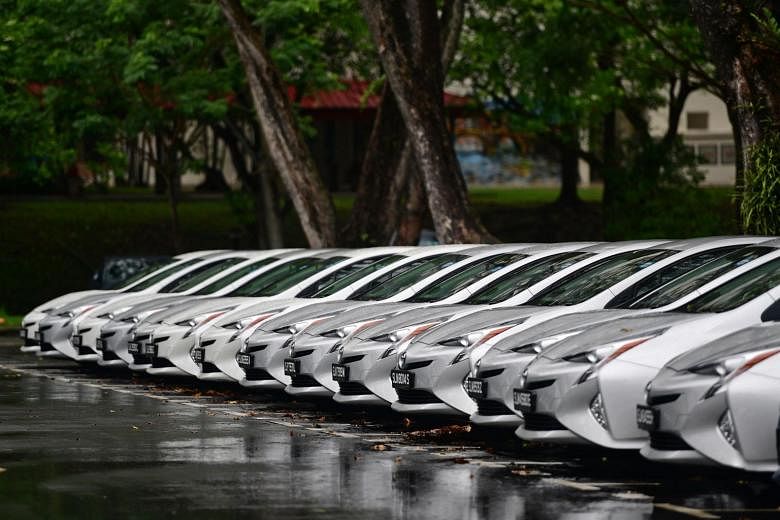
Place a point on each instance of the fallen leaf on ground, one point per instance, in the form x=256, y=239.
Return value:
x=460, y=460
x=134, y=427
x=379, y=447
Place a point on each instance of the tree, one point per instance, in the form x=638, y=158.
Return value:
x=285, y=141
x=744, y=44
x=408, y=38
x=390, y=198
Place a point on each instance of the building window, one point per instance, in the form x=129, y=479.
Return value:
x=698, y=120
x=708, y=153
x=727, y=153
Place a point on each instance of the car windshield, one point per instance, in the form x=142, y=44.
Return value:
x=404, y=277
x=231, y=277
x=587, y=282
x=737, y=291
x=524, y=277
x=282, y=277
x=162, y=275
x=158, y=266
x=692, y=280
x=350, y=275
x=462, y=278
x=200, y=274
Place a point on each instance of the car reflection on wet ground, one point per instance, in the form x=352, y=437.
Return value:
x=76, y=442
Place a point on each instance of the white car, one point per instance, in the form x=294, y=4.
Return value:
x=313, y=352
x=56, y=329
x=492, y=377
x=431, y=371
x=30, y=321
x=361, y=364
x=91, y=340
x=173, y=340
x=693, y=379
x=244, y=335
x=592, y=384
x=736, y=424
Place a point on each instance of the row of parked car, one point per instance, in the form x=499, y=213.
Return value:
x=667, y=347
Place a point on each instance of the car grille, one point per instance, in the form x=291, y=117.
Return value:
x=140, y=359
x=491, y=407
x=105, y=335
x=257, y=374
x=303, y=381
x=416, y=397
x=44, y=327
x=30, y=342
x=491, y=373
x=85, y=351
x=352, y=359
x=302, y=353
x=418, y=364
x=352, y=388
x=536, y=385
x=662, y=399
x=209, y=368
x=541, y=422
x=47, y=347
x=109, y=356
x=666, y=441
x=159, y=362
x=255, y=348
x=207, y=342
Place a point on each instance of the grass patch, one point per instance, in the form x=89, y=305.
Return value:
x=9, y=321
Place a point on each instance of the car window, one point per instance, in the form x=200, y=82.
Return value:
x=350, y=277
x=462, y=278
x=200, y=275
x=283, y=277
x=157, y=264
x=161, y=275
x=738, y=291
x=231, y=277
x=587, y=282
x=689, y=282
x=524, y=277
x=404, y=278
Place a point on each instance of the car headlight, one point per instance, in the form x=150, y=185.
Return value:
x=479, y=337
x=728, y=368
x=110, y=315
x=600, y=356
x=78, y=311
x=406, y=333
x=199, y=320
x=352, y=328
x=460, y=357
x=535, y=347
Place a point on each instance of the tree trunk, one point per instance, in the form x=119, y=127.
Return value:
x=283, y=137
x=375, y=217
x=407, y=36
x=411, y=221
x=746, y=61
x=570, y=175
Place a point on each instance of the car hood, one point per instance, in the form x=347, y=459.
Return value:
x=162, y=302
x=92, y=299
x=759, y=337
x=67, y=299
x=192, y=308
x=559, y=325
x=307, y=312
x=616, y=330
x=364, y=312
x=479, y=319
x=412, y=315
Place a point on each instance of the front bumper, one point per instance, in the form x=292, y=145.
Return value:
x=268, y=351
x=173, y=352
x=114, y=337
x=55, y=333
x=314, y=376
x=210, y=344
x=365, y=375
x=438, y=384
x=496, y=408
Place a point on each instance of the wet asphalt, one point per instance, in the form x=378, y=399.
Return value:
x=78, y=442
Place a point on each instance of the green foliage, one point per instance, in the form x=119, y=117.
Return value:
x=760, y=206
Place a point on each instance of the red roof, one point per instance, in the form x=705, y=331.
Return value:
x=351, y=98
